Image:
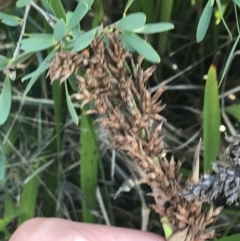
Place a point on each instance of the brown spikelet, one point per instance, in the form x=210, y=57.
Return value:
x=116, y=85
x=66, y=63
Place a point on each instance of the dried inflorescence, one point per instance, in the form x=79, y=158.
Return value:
x=116, y=85
x=225, y=180
x=65, y=64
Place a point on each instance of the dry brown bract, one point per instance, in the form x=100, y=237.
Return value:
x=116, y=85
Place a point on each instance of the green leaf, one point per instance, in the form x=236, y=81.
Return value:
x=234, y=110
x=155, y=28
x=219, y=5
x=28, y=200
x=88, y=2
x=21, y=58
x=204, y=22
x=71, y=108
x=84, y=40
x=211, y=119
x=3, y=62
x=42, y=67
x=35, y=75
x=129, y=3
x=3, y=162
x=78, y=14
x=5, y=100
x=235, y=237
x=9, y=20
x=30, y=85
x=11, y=211
x=47, y=6
x=237, y=2
x=167, y=227
x=229, y=59
x=141, y=46
x=58, y=8
x=132, y=22
x=37, y=42
x=22, y=3
x=59, y=30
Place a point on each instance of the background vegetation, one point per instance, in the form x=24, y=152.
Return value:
x=41, y=170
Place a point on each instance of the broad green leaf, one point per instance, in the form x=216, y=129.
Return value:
x=126, y=44
x=3, y=62
x=59, y=30
x=219, y=5
x=68, y=17
x=37, y=43
x=234, y=110
x=229, y=59
x=141, y=46
x=77, y=16
x=84, y=40
x=22, y=3
x=89, y=153
x=5, y=100
x=132, y=22
x=42, y=67
x=28, y=200
x=71, y=108
x=211, y=119
x=129, y=3
x=154, y=28
x=10, y=20
x=204, y=22
x=22, y=57
x=88, y=2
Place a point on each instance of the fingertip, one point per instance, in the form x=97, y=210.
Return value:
x=54, y=229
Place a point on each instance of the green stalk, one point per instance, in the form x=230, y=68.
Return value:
x=88, y=166
x=166, y=7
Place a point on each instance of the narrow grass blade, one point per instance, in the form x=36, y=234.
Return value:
x=71, y=109
x=129, y=3
x=229, y=59
x=89, y=166
x=219, y=5
x=211, y=119
x=28, y=200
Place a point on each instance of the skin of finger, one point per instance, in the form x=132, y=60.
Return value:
x=54, y=229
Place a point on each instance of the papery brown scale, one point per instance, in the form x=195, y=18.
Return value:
x=148, y=72
x=112, y=55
